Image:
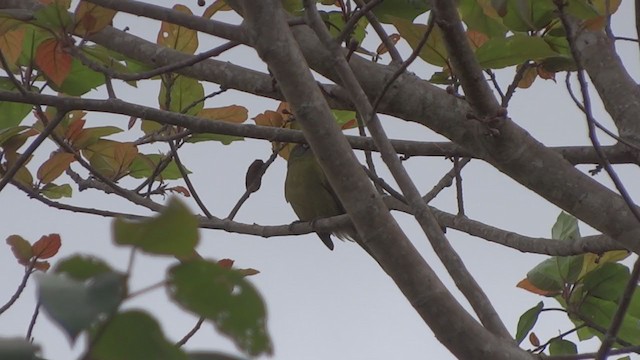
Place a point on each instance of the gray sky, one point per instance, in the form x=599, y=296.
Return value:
x=321, y=304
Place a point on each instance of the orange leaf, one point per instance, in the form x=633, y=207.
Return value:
x=11, y=45
x=476, y=38
x=546, y=75
x=177, y=37
x=350, y=124
x=527, y=285
x=54, y=167
x=533, y=338
x=234, y=113
x=47, y=246
x=180, y=190
x=41, y=265
x=269, y=118
x=91, y=18
x=54, y=62
x=226, y=263
x=124, y=154
x=74, y=130
x=21, y=248
x=382, y=49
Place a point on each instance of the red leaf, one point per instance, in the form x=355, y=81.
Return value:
x=74, y=130
x=53, y=60
x=47, y=246
x=180, y=190
x=21, y=249
x=41, y=265
x=226, y=263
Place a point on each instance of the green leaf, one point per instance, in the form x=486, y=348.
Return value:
x=224, y=139
x=499, y=53
x=80, y=80
x=335, y=24
x=82, y=267
x=529, y=15
x=53, y=191
x=8, y=133
x=18, y=349
x=75, y=305
x=184, y=91
x=143, y=167
x=134, y=335
x=565, y=228
x=553, y=273
x=527, y=321
x=607, y=282
x=343, y=116
x=227, y=299
x=54, y=16
x=481, y=17
x=12, y=113
x=404, y=9
x=173, y=232
x=602, y=311
x=434, y=51
x=562, y=347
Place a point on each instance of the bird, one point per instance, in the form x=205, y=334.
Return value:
x=309, y=193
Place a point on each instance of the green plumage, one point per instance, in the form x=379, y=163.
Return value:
x=309, y=192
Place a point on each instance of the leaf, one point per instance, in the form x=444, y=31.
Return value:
x=12, y=113
x=499, y=53
x=184, y=92
x=111, y=158
x=80, y=80
x=91, y=18
x=218, y=5
x=47, y=246
x=382, y=48
x=21, y=249
x=607, y=282
x=11, y=45
x=82, y=267
x=552, y=274
x=387, y=10
x=54, y=167
x=144, y=164
x=76, y=305
x=224, y=297
x=528, y=77
x=54, y=16
x=562, y=347
x=133, y=335
x=565, y=228
x=527, y=321
x=434, y=51
x=233, y=113
x=54, y=62
x=601, y=312
x=177, y=37
x=533, y=339
x=20, y=349
x=480, y=16
x=173, y=232
x=253, y=178
x=529, y=15
x=90, y=136
x=180, y=190
x=53, y=191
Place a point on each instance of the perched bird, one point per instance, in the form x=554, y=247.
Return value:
x=308, y=191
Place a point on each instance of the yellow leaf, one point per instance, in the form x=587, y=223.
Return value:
x=233, y=113
x=177, y=37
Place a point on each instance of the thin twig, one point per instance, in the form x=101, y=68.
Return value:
x=187, y=181
x=191, y=332
x=27, y=273
x=32, y=322
x=458, y=171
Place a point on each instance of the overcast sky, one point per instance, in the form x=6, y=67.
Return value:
x=321, y=304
